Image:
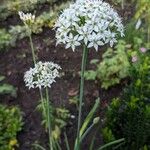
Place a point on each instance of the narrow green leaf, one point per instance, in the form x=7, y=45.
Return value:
x=111, y=143
x=38, y=146
x=89, y=117
x=66, y=141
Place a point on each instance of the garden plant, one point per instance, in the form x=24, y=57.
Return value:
x=46, y=47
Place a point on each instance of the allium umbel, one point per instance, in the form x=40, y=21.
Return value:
x=26, y=18
x=90, y=22
x=42, y=75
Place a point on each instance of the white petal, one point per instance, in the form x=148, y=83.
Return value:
x=96, y=28
x=73, y=47
x=100, y=43
x=111, y=43
x=68, y=45
x=96, y=47
x=71, y=36
x=90, y=44
x=76, y=37
x=85, y=41
x=80, y=38
x=77, y=43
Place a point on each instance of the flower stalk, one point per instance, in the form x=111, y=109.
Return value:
x=43, y=102
x=28, y=20
x=122, y=4
x=42, y=76
x=32, y=48
x=92, y=24
x=49, y=119
x=83, y=67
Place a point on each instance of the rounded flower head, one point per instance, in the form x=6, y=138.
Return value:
x=27, y=18
x=143, y=49
x=90, y=22
x=42, y=75
x=134, y=59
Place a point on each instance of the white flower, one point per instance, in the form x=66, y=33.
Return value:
x=95, y=40
x=110, y=38
x=72, y=41
x=90, y=22
x=42, y=75
x=26, y=18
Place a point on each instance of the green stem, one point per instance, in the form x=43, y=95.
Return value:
x=66, y=141
x=49, y=119
x=83, y=66
x=43, y=102
x=122, y=4
x=86, y=132
x=93, y=139
x=58, y=145
x=32, y=47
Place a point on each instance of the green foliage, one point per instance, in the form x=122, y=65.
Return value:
x=59, y=117
x=4, y=39
x=41, y=21
x=9, y=7
x=143, y=9
x=47, y=19
x=85, y=129
x=7, y=88
x=143, y=12
x=140, y=72
x=10, y=125
x=89, y=117
x=62, y=116
x=131, y=28
x=18, y=33
x=9, y=38
x=129, y=116
x=113, y=68
x=108, y=135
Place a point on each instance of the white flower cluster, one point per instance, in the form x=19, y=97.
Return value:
x=90, y=22
x=28, y=17
x=42, y=75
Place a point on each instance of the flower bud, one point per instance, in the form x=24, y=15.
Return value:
x=96, y=120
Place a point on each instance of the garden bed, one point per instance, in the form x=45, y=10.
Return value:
x=17, y=60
